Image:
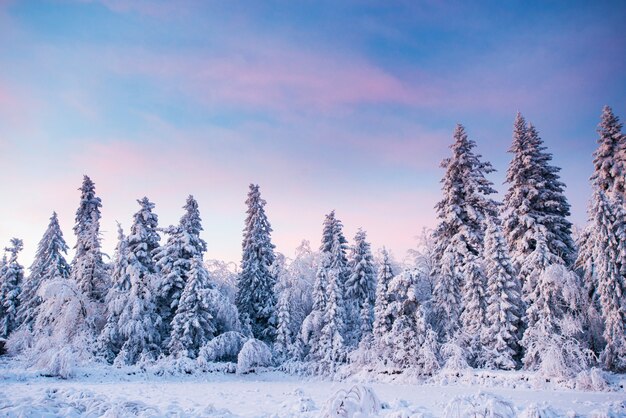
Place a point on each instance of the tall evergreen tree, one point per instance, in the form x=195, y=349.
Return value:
x=88, y=269
x=382, y=320
x=255, y=298
x=139, y=321
x=49, y=263
x=602, y=255
x=462, y=214
x=361, y=287
x=110, y=340
x=174, y=261
x=193, y=325
x=535, y=198
x=504, y=303
x=284, y=340
x=11, y=278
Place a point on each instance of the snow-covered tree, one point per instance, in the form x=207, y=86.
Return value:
x=284, y=340
x=193, y=325
x=139, y=322
x=110, y=340
x=360, y=288
x=11, y=277
x=49, y=263
x=609, y=159
x=255, y=285
x=174, y=261
x=602, y=255
x=459, y=236
x=88, y=269
x=382, y=320
x=535, y=201
x=556, y=301
x=504, y=308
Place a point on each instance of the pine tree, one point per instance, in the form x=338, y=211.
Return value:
x=139, y=321
x=504, y=303
x=283, y=345
x=331, y=347
x=383, y=321
x=602, y=255
x=193, y=325
x=462, y=214
x=535, y=199
x=11, y=278
x=255, y=285
x=110, y=340
x=88, y=269
x=174, y=260
x=49, y=263
x=361, y=287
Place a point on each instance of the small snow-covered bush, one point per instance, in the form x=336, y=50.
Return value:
x=224, y=347
x=254, y=353
x=537, y=411
x=360, y=401
x=591, y=379
x=483, y=405
x=455, y=358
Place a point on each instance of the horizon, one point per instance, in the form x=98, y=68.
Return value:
x=350, y=108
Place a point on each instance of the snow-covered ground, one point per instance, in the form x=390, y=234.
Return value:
x=104, y=391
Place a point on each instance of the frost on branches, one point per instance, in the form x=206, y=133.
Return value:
x=88, y=269
x=139, y=322
x=255, y=285
x=174, y=261
x=49, y=263
x=361, y=288
x=11, y=277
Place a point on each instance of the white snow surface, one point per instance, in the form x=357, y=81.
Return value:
x=112, y=392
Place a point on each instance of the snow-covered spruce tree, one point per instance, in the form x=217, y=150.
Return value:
x=535, y=200
x=174, y=260
x=330, y=349
x=139, y=322
x=11, y=278
x=609, y=254
x=382, y=320
x=193, y=325
x=602, y=258
x=459, y=237
x=88, y=269
x=500, y=338
x=361, y=287
x=284, y=340
x=255, y=298
x=49, y=263
x=110, y=340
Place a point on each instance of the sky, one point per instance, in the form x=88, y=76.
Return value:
x=347, y=105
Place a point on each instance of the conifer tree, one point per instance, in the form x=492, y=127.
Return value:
x=382, y=320
x=462, y=214
x=139, y=321
x=331, y=346
x=504, y=303
x=535, y=200
x=255, y=298
x=49, y=263
x=110, y=340
x=11, y=277
x=361, y=287
x=602, y=255
x=193, y=325
x=174, y=260
x=283, y=345
x=88, y=269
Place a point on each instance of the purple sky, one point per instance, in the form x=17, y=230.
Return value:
x=327, y=105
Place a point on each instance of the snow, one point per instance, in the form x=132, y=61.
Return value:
x=109, y=391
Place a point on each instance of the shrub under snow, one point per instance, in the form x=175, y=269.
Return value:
x=225, y=347
x=481, y=405
x=254, y=353
x=358, y=402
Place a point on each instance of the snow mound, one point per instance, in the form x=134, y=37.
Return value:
x=254, y=353
x=481, y=405
x=538, y=411
x=358, y=402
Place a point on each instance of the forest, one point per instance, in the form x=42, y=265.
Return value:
x=497, y=285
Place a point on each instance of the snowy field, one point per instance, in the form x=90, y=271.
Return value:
x=105, y=391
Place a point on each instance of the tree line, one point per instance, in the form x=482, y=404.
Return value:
x=496, y=285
